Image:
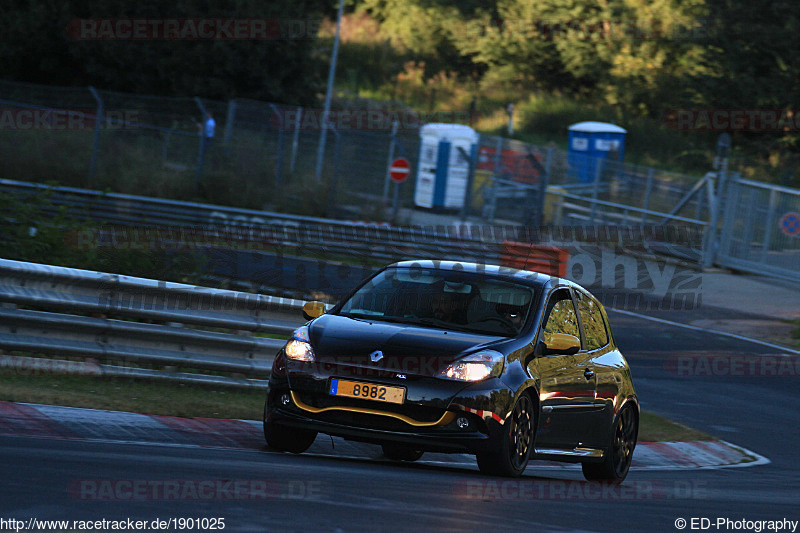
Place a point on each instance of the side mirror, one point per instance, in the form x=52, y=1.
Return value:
x=312, y=310
x=561, y=343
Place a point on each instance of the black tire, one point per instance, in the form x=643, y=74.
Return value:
x=286, y=439
x=516, y=445
x=400, y=453
x=617, y=460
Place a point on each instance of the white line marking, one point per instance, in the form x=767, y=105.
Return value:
x=704, y=330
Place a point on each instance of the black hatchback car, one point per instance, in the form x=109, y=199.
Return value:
x=506, y=364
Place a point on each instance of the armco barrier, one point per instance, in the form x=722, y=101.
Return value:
x=545, y=259
x=85, y=314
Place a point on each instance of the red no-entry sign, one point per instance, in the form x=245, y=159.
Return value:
x=399, y=169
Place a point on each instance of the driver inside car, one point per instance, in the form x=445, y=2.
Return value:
x=450, y=306
x=514, y=314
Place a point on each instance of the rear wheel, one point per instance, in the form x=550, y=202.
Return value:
x=400, y=453
x=617, y=460
x=287, y=439
x=511, y=457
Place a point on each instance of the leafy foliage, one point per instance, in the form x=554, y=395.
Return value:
x=39, y=45
x=35, y=229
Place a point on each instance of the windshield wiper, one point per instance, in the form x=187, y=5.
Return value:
x=438, y=323
x=428, y=322
x=374, y=318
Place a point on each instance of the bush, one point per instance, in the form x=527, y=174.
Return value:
x=34, y=229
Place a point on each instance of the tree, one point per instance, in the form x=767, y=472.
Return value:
x=40, y=44
x=637, y=53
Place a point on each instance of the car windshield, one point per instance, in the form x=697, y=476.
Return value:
x=457, y=300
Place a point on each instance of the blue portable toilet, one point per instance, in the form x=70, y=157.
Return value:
x=590, y=142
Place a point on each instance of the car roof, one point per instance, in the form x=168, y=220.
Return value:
x=528, y=277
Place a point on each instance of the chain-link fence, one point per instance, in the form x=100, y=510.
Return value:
x=261, y=154
x=267, y=155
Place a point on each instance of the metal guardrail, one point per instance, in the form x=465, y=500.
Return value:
x=110, y=332
x=269, y=229
x=267, y=247
x=284, y=235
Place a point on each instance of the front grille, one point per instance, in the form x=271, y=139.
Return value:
x=363, y=420
x=339, y=415
x=420, y=413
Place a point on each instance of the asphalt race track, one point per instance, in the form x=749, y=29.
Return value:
x=41, y=478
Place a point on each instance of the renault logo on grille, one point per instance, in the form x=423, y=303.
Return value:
x=376, y=356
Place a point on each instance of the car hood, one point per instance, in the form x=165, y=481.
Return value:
x=408, y=348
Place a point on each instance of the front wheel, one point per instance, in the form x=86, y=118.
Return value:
x=511, y=457
x=287, y=439
x=617, y=460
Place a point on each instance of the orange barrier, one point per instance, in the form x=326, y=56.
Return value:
x=525, y=256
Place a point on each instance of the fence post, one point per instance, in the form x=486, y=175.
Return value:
x=201, y=147
x=230, y=117
x=698, y=212
x=768, y=227
x=648, y=189
x=723, y=206
x=335, y=175
x=395, y=203
x=98, y=124
x=497, y=155
x=471, y=160
x=544, y=181
x=389, y=160
x=596, y=189
x=296, y=138
x=495, y=177
x=279, y=159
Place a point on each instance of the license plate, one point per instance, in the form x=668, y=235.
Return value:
x=367, y=391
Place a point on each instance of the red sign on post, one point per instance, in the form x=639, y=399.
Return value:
x=399, y=169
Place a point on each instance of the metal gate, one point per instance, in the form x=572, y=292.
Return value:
x=760, y=230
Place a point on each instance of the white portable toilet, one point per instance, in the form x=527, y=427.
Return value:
x=443, y=172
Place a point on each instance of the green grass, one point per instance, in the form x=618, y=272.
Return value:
x=654, y=428
x=795, y=333
x=192, y=401
x=138, y=396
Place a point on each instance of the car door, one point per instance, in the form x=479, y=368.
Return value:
x=566, y=389
x=596, y=359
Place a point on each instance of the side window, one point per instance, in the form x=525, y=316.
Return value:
x=594, y=327
x=561, y=317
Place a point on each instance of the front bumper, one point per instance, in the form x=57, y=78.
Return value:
x=427, y=420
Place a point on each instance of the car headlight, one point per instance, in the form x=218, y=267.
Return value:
x=474, y=367
x=299, y=347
